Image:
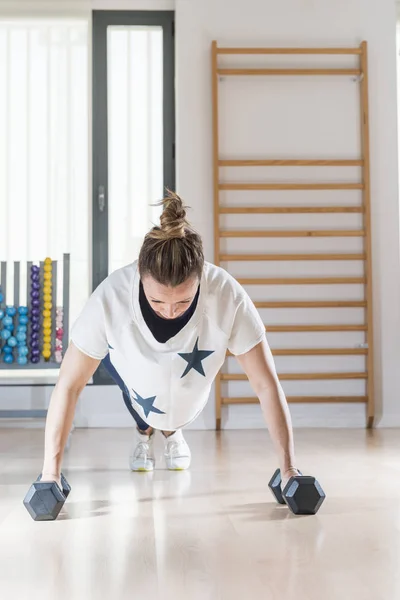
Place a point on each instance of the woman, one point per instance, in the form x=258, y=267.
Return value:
x=162, y=326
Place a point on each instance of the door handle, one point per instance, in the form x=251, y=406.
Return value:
x=101, y=198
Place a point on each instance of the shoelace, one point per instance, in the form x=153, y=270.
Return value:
x=142, y=450
x=173, y=448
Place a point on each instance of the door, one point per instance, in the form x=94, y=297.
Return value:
x=133, y=133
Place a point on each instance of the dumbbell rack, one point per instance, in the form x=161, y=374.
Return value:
x=42, y=364
x=359, y=74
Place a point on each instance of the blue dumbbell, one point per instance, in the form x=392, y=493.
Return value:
x=7, y=321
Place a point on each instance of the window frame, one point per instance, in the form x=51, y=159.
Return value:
x=101, y=20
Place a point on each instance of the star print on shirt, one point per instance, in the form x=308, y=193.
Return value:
x=148, y=404
x=194, y=359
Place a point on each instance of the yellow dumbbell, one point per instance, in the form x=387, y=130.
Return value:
x=47, y=331
x=46, y=354
x=46, y=313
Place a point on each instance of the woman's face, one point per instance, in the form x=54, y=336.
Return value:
x=169, y=302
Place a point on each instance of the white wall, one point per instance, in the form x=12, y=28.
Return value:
x=302, y=23
x=284, y=23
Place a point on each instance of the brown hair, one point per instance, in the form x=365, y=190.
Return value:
x=172, y=252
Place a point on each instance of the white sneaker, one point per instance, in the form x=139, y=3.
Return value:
x=142, y=456
x=177, y=452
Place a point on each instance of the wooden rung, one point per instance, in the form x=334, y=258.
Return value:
x=292, y=234
x=290, y=163
x=334, y=51
x=281, y=210
x=303, y=399
x=313, y=328
x=320, y=352
x=299, y=376
x=312, y=304
x=279, y=257
x=290, y=186
x=303, y=281
x=286, y=72
x=316, y=352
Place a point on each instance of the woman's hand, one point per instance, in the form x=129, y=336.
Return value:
x=49, y=477
x=292, y=472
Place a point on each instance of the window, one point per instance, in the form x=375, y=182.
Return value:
x=133, y=133
x=135, y=137
x=44, y=150
x=133, y=130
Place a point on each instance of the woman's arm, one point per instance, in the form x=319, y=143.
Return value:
x=76, y=370
x=259, y=367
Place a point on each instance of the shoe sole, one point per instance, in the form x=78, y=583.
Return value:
x=177, y=468
x=170, y=468
x=141, y=469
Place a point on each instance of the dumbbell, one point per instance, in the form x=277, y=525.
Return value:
x=303, y=494
x=44, y=500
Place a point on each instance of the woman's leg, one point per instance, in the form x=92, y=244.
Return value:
x=141, y=457
x=111, y=370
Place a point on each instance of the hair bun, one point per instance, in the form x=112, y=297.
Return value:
x=173, y=221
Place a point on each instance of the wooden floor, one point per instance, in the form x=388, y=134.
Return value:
x=208, y=534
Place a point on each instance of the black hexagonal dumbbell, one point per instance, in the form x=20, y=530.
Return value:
x=275, y=485
x=44, y=500
x=303, y=494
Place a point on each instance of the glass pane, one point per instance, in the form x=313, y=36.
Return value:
x=44, y=148
x=135, y=137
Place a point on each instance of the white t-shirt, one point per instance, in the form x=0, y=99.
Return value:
x=169, y=383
